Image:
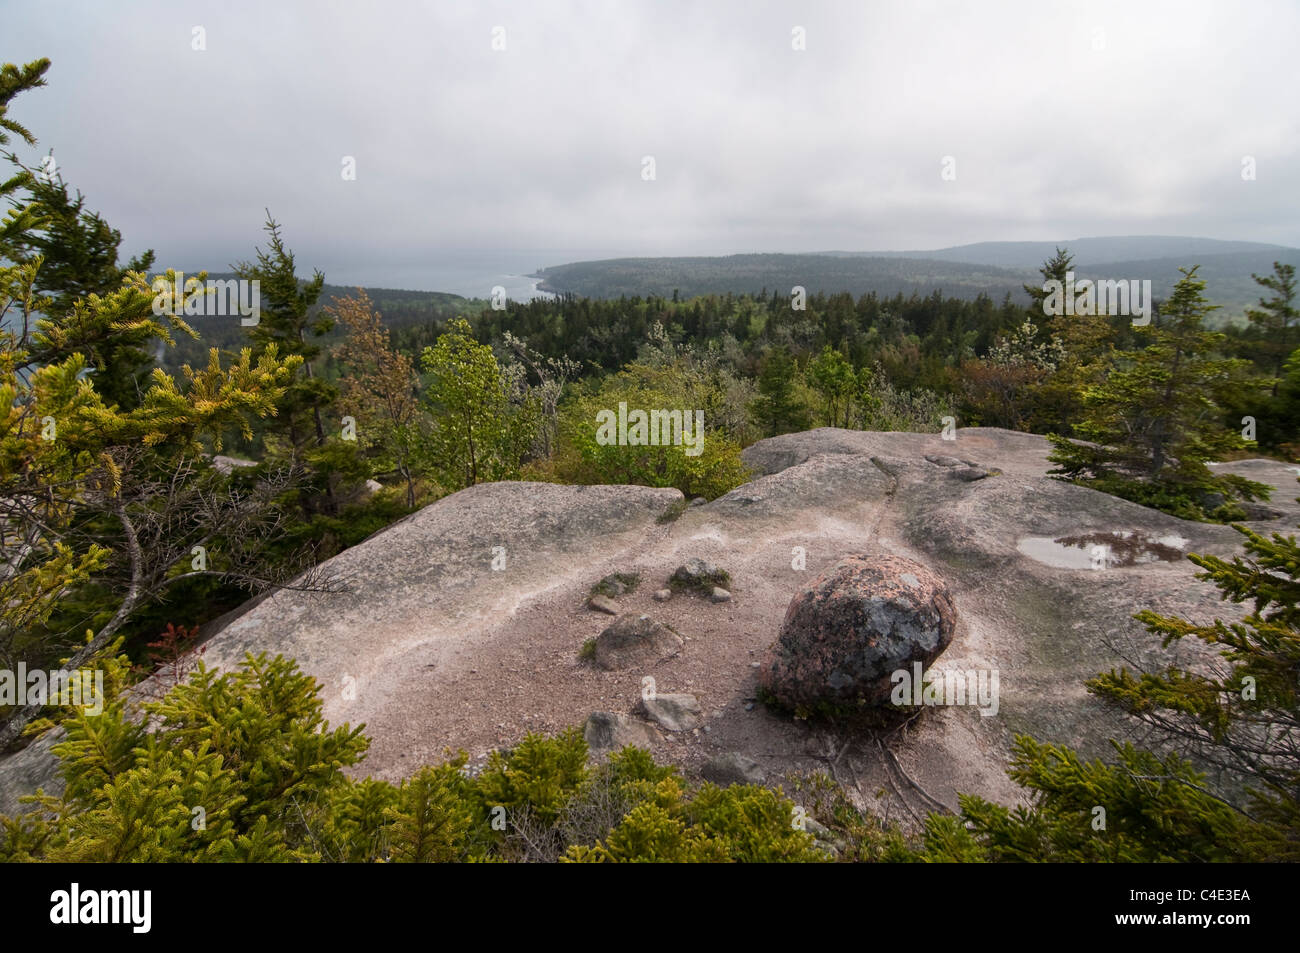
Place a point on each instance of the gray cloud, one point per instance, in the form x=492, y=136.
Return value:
x=1064, y=120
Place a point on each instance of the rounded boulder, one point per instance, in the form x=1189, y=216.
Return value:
x=856, y=624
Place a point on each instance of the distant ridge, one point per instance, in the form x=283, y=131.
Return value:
x=1086, y=251
x=994, y=269
x=740, y=274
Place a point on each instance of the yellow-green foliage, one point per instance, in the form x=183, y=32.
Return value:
x=737, y=823
x=432, y=820
x=240, y=766
x=581, y=458
x=539, y=773
x=481, y=434
x=236, y=768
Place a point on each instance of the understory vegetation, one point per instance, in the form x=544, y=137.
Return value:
x=241, y=767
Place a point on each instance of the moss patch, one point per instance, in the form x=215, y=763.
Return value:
x=616, y=584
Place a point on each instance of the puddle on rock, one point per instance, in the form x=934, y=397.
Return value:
x=1102, y=550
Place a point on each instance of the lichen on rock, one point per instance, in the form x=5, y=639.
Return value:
x=852, y=627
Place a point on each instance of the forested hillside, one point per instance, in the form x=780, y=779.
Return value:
x=740, y=274
x=991, y=269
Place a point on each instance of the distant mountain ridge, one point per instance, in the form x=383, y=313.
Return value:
x=740, y=274
x=965, y=271
x=1086, y=251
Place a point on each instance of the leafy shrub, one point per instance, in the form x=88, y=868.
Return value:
x=916, y=410
x=582, y=458
x=485, y=426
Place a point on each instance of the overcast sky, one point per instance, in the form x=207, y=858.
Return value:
x=1064, y=120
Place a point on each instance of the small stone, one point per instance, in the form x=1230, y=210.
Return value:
x=663, y=595
x=698, y=501
x=606, y=730
x=733, y=768
x=719, y=595
x=602, y=604
x=970, y=474
x=940, y=460
x=673, y=712
x=635, y=640
x=749, y=706
x=698, y=575
x=816, y=828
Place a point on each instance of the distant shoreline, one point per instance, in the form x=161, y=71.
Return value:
x=541, y=285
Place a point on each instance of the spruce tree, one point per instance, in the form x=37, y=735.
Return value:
x=234, y=766
x=1276, y=321
x=1243, y=716
x=1240, y=716
x=1140, y=808
x=1054, y=269
x=100, y=505
x=79, y=248
x=1152, y=421
x=74, y=254
x=1054, y=403
x=777, y=408
x=289, y=323
x=79, y=258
